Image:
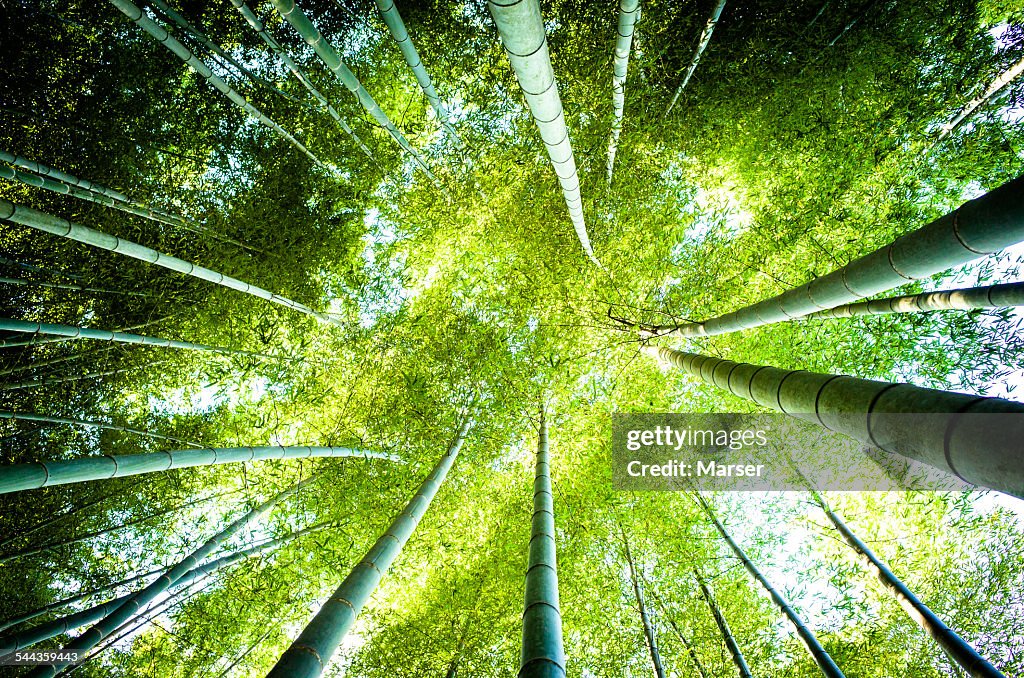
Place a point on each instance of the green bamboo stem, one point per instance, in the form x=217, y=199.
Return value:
x=18, y=477
x=29, y=416
x=991, y=296
x=53, y=361
x=521, y=28
x=818, y=654
x=412, y=57
x=1008, y=76
x=645, y=619
x=47, y=223
x=50, y=381
x=329, y=56
x=956, y=647
x=629, y=12
x=723, y=626
x=313, y=649
x=978, y=227
x=542, y=654
x=62, y=177
x=882, y=414
x=139, y=18
x=701, y=672
x=137, y=601
x=76, y=288
x=299, y=74
x=35, y=341
x=705, y=39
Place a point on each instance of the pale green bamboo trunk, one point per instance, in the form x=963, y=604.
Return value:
x=705, y=39
x=18, y=477
x=63, y=177
x=521, y=28
x=629, y=12
x=47, y=223
x=956, y=647
x=542, y=655
x=1008, y=76
x=645, y=618
x=299, y=74
x=818, y=654
x=313, y=649
x=163, y=37
x=991, y=296
x=981, y=226
x=940, y=434
x=723, y=626
x=326, y=52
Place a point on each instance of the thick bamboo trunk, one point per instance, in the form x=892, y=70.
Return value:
x=818, y=654
x=313, y=649
x=705, y=39
x=18, y=477
x=329, y=56
x=939, y=435
x=41, y=221
x=955, y=647
x=991, y=296
x=542, y=653
x=645, y=618
x=521, y=28
x=978, y=227
x=723, y=627
x=1008, y=76
x=29, y=416
x=63, y=177
x=629, y=11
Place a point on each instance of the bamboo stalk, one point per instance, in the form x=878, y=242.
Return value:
x=29, y=416
x=62, y=177
x=645, y=619
x=701, y=672
x=705, y=39
x=990, y=296
x=50, y=381
x=723, y=626
x=76, y=288
x=1008, y=76
x=629, y=12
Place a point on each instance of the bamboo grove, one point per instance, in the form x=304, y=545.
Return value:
x=316, y=314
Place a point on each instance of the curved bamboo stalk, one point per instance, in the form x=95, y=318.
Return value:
x=29, y=416
x=50, y=381
x=705, y=39
x=18, y=477
x=645, y=619
x=818, y=654
x=24, y=327
x=412, y=57
x=991, y=296
x=542, y=655
x=971, y=448
x=329, y=56
x=978, y=227
x=137, y=601
x=956, y=647
x=521, y=28
x=629, y=12
x=47, y=223
x=313, y=649
x=1008, y=76
x=299, y=74
x=139, y=18
x=723, y=627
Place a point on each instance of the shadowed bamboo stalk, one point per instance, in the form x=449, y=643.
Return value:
x=629, y=11
x=956, y=647
x=817, y=652
x=139, y=18
x=978, y=227
x=521, y=29
x=925, y=424
x=313, y=649
x=29, y=416
x=137, y=601
x=54, y=361
x=47, y=223
x=412, y=57
x=645, y=619
x=297, y=71
x=17, y=477
x=705, y=39
x=50, y=381
x=63, y=177
x=542, y=655
x=329, y=56
x=991, y=296
x=1008, y=76
x=723, y=627
x=76, y=288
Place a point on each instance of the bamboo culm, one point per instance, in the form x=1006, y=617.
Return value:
x=299, y=74
x=818, y=654
x=63, y=177
x=29, y=416
x=54, y=361
x=877, y=413
x=956, y=647
x=629, y=12
x=18, y=477
x=521, y=29
x=645, y=618
x=977, y=228
x=1008, y=76
x=329, y=56
x=75, y=288
x=313, y=649
x=705, y=39
x=47, y=223
x=63, y=379
x=990, y=296
x=137, y=601
x=723, y=627
x=543, y=654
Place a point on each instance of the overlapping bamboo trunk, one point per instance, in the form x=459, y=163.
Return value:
x=645, y=617
x=723, y=627
x=629, y=11
x=705, y=39
x=989, y=296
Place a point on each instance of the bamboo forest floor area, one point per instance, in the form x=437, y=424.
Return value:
x=321, y=319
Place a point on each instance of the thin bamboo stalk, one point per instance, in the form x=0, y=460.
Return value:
x=50, y=381
x=313, y=649
x=63, y=177
x=701, y=672
x=54, y=361
x=629, y=12
x=925, y=424
x=76, y=288
x=645, y=619
x=723, y=626
x=991, y=296
x=705, y=39
x=29, y=416
x=1008, y=76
